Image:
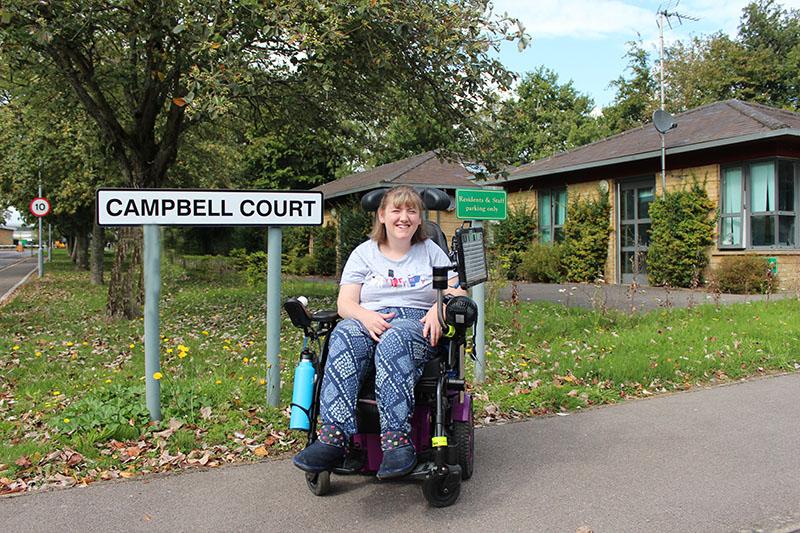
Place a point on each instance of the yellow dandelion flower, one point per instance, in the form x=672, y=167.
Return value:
x=56, y=393
x=169, y=350
x=204, y=332
x=253, y=378
x=245, y=360
x=85, y=343
x=108, y=381
x=226, y=348
x=66, y=420
x=262, y=381
x=38, y=354
x=182, y=348
x=218, y=382
x=131, y=345
x=181, y=355
x=70, y=343
x=227, y=341
x=157, y=376
x=15, y=347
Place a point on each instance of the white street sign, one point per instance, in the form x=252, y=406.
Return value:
x=193, y=207
x=39, y=206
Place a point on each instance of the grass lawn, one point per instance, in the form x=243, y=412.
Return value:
x=72, y=406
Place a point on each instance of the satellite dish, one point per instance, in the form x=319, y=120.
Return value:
x=663, y=121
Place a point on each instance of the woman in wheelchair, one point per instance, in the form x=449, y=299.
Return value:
x=390, y=320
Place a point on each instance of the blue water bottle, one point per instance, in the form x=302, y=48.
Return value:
x=302, y=392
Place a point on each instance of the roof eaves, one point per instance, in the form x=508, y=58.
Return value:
x=653, y=153
x=389, y=184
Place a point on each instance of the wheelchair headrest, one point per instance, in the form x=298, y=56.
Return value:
x=434, y=199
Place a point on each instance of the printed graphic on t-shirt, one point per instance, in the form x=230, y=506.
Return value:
x=394, y=280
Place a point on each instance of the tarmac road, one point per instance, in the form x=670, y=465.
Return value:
x=14, y=266
x=720, y=459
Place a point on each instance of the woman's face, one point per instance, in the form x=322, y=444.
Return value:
x=401, y=222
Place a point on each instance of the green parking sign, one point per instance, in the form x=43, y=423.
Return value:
x=477, y=204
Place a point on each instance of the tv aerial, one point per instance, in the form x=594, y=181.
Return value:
x=662, y=120
x=666, y=12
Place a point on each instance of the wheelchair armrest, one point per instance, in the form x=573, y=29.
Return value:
x=325, y=316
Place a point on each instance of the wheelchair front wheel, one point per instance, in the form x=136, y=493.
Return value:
x=319, y=484
x=441, y=491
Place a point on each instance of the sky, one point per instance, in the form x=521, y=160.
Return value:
x=585, y=40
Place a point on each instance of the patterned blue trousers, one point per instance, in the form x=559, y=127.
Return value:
x=399, y=358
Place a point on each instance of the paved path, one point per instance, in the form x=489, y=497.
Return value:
x=14, y=267
x=719, y=459
x=624, y=298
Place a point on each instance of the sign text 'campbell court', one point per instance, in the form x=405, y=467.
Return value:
x=127, y=207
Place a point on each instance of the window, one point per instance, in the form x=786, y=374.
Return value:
x=552, y=214
x=758, y=205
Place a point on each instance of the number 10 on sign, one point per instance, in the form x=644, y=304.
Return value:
x=39, y=207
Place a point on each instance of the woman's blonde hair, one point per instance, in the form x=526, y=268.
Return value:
x=399, y=196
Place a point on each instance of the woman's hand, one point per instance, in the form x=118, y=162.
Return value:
x=375, y=322
x=431, y=325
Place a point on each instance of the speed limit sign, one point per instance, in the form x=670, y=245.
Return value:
x=39, y=207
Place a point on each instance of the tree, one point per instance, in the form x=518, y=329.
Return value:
x=542, y=118
x=148, y=71
x=636, y=97
x=760, y=64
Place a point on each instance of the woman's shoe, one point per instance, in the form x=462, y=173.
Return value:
x=397, y=462
x=318, y=457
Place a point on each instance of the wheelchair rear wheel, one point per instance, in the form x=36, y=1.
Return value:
x=319, y=484
x=464, y=435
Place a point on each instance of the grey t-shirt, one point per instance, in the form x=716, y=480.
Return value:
x=388, y=283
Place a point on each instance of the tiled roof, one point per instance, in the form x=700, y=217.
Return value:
x=718, y=123
x=423, y=169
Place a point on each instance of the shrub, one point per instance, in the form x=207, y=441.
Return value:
x=680, y=234
x=256, y=268
x=541, y=263
x=354, y=226
x=512, y=237
x=586, y=232
x=324, y=255
x=745, y=274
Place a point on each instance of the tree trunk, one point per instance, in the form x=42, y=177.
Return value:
x=82, y=251
x=98, y=245
x=126, y=286
x=73, y=246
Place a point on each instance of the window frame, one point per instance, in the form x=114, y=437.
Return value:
x=552, y=193
x=746, y=212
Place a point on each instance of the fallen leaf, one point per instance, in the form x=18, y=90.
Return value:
x=75, y=459
x=205, y=412
x=133, y=451
x=261, y=451
x=127, y=475
x=23, y=462
x=167, y=433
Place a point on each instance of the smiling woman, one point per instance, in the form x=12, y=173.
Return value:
x=388, y=303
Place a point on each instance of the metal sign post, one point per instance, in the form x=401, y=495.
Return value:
x=478, y=205
x=152, y=338
x=39, y=207
x=152, y=208
x=273, y=315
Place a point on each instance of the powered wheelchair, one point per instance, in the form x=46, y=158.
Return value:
x=442, y=429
